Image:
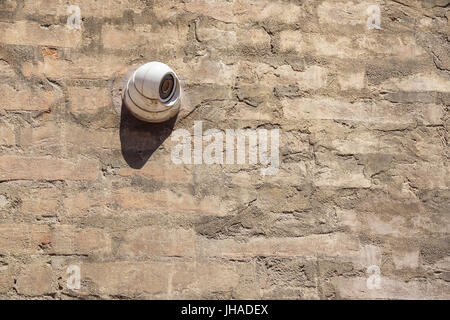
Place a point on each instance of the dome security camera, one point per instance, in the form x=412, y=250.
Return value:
x=153, y=93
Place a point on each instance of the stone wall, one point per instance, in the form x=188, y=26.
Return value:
x=360, y=205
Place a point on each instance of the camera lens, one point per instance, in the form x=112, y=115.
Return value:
x=166, y=86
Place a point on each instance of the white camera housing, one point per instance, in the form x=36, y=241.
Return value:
x=153, y=93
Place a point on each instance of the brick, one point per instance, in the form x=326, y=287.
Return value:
x=365, y=46
x=6, y=70
x=273, y=199
x=352, y=80
x=81, y=203
x=67, y=239
x=347, y=142
x=8, y=5
x=413, y=97
x=129, y=199
x=246, y=11
x=42, y=137
x=314, y=77
x=356, y=288
x=4, y=202
x=49, y=52
x=75, y=67
x=393, y=226
x=159, y=279
x=369, y=255
x=254, y=38
x=330, y=245
x=88, y=100
x=79, y=138
x=31, y=33
x=41, y=203
x=425, y=176
x=147, y=242
x=144, y=35
x=26, y=98
x=216, y=277
x=161, y=170
x=247, y=113
x=109, y=9
x=131, y=279
x=35, y=280
x=22, y=238
x=232, y=38
x=20, y=168
x=203, y=70
x=216, y=9
x=338, y=173
x=290, y=174
x=7, y=136
x=264, y=77
x=403, y=46
x=385, y=217
x=184, y=202
x=6, y=279
x=291, y=41
x=325, y=108
x=338, y=13
x=406, y=259
x=237, y=11
x=428, y=145
x=168, y=201
x=60, y=239
x=433, y=114
x=418, y=83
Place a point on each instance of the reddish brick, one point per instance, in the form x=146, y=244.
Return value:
x=22, y=238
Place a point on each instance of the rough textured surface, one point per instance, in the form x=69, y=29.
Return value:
x=364, y=179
